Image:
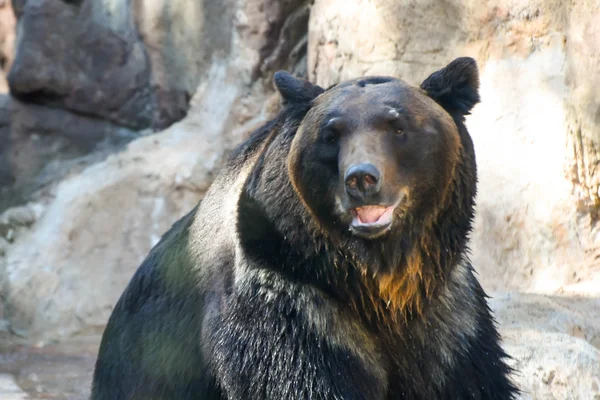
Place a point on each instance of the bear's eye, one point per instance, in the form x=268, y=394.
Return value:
x=332, y=129
x=331, y=137
x=400, y=132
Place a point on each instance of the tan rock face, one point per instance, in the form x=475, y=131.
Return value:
x=180, y=39
x=403, y=39
x=535, y=130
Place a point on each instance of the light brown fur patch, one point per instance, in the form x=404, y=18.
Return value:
x=406, y=291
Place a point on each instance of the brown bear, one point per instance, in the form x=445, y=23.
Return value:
x=328, y=260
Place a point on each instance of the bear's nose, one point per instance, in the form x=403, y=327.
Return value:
x=362, y=180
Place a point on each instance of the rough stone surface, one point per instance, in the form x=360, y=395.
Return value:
x=536, y=243
x=54, y=371
x=6, y=174
x=97, y=71
x=40, y=135
x=97, y=226
x=39, y=143
x=9, y=388
x=135, y=63
x=181, y=38
x=555, y=343
x=82, y=56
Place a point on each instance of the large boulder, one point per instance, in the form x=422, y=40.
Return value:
x=96, y=230
x=82, y=56
x=134, y=63
x=89, y=73
x=554, y=342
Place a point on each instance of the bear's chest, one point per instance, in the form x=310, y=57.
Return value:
x=423, y=358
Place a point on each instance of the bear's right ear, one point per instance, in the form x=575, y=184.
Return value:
x=294, y=90
x=456, y=86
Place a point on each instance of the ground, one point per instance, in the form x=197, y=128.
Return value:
x=54, y=371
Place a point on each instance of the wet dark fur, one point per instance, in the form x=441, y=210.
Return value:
x=314, y=322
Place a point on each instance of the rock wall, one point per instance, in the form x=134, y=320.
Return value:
x=536, y=244
x=89, y=233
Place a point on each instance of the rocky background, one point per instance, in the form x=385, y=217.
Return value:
x=120, y=112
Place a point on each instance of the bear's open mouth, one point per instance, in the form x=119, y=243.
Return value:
x=371, y=222
x=372, y=215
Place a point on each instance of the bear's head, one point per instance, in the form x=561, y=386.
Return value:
x=380, y=171
x=373, y=152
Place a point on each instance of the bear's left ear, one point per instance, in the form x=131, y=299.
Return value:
x=456, y=86
x=294, y=90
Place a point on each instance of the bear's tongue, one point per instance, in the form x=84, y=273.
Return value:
x=370, y=214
